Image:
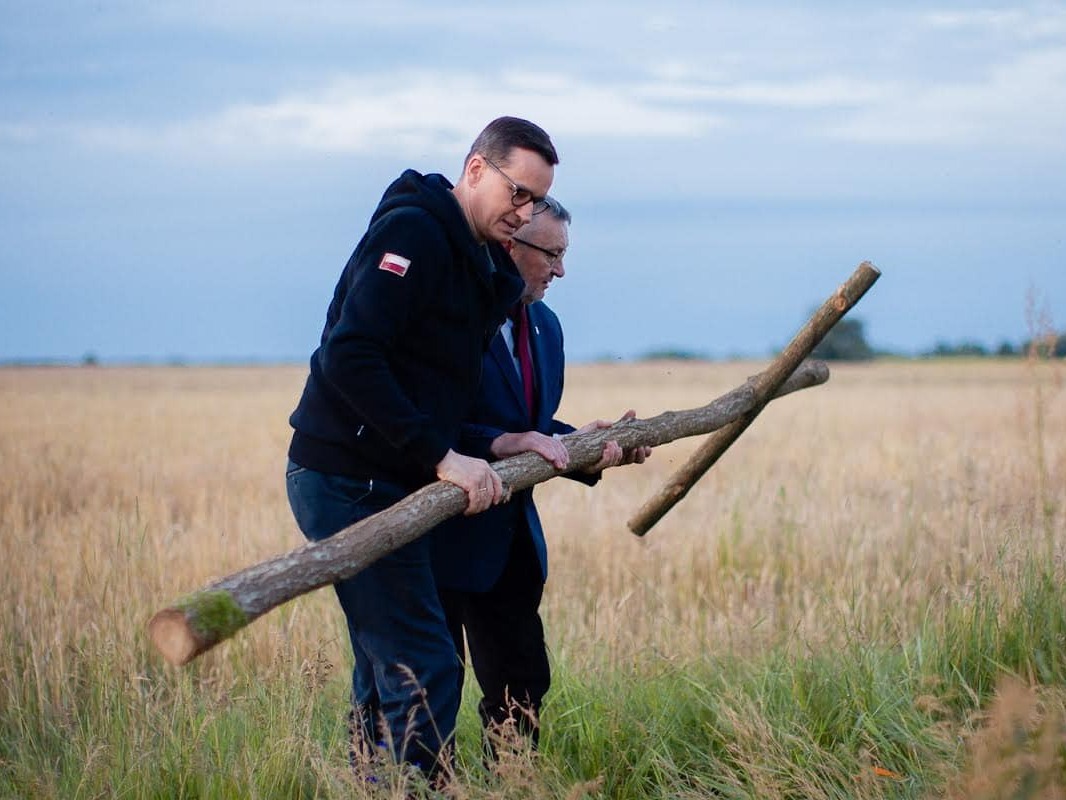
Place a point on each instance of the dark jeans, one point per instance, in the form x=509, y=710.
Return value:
x=405, y=685
x=506, y=639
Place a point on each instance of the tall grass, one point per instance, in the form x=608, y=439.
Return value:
x=831, y=613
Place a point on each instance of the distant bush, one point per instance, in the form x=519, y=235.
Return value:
x=672, y=354
x=845, y=342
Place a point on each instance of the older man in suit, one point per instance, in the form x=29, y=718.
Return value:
x=491, y=568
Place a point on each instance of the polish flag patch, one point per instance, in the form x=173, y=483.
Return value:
x=397, y=265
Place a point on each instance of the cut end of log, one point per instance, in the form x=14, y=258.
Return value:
x=174, y=637
x=638, y=526
x=645, y=518
x=196, y=624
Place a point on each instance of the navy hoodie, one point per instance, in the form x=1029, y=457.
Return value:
x=398, y=365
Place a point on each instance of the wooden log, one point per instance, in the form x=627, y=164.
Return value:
x=766, y=384
x=196, y=623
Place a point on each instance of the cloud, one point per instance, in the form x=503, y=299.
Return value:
x=1021, y=103
x=414, y=113
x=423, y=112
x=19, y=133
x=956, y=77
x=813, y=93
x=1023, y=23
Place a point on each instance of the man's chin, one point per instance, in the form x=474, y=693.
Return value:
x=505, y=231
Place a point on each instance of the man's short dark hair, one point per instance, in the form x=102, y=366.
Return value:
x=504, y=134
x=556, y=210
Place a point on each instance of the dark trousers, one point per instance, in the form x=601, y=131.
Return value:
x=407, y=681
x=506, y=639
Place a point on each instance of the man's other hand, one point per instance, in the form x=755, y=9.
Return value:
x=551, y=449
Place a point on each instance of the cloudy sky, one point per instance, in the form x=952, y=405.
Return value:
x=186, y=179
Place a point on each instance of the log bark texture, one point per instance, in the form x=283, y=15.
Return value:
x=766, y=384
x=198, y=622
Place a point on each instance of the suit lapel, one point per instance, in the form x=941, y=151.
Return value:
x=505, y=363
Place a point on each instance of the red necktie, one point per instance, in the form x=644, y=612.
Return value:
x=520, y=316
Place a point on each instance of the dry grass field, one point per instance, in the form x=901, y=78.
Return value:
x=849, y=513
x=892, y=486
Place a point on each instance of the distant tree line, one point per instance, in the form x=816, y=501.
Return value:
x=1052, y=346
x=847, y=342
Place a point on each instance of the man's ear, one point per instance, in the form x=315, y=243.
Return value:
x=474, y=170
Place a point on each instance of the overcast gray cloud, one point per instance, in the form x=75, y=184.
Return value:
x=418, y=111
x=967, y=76
x=726, y=164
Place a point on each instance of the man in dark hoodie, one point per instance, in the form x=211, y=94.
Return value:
x=393, y=377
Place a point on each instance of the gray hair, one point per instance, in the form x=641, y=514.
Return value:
x=556, y=210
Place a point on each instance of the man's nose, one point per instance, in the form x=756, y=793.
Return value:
x=525, y=213
x=558, y=267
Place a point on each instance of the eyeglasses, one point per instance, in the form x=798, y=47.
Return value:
x=520, y=195
x=552, y=255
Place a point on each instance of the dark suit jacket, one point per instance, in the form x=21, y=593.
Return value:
x=469, y=553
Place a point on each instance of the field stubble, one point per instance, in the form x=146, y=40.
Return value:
x=850, y=512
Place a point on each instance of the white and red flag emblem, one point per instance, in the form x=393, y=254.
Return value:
x=397, y=265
